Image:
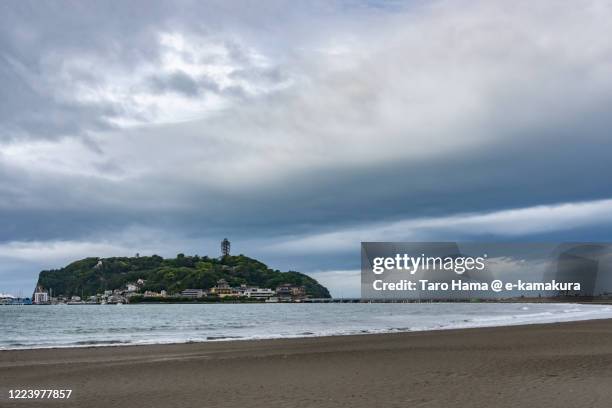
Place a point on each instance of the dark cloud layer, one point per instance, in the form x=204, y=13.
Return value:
x=164, y=127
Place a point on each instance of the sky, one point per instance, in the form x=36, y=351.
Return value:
x=298, y=129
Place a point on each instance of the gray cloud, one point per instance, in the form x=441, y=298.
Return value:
x=179, y=82
x=199, y=121
x=61, y=61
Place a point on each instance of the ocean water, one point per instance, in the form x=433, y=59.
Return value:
x=23, y=327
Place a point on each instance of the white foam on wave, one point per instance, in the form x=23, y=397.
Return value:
x=141, y=325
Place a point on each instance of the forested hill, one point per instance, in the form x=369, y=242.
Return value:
x=90, y=276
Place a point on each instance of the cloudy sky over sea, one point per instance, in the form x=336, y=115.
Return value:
x=298, y=129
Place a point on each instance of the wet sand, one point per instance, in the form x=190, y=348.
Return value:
x=560, y=365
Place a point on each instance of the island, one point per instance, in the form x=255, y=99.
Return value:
x=184, y=278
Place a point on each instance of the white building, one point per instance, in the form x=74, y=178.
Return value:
x=6, y=299
x=259, y=293
x=132, y=287
x=41, y=296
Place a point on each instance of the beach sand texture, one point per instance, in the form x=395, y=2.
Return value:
x=551, y=365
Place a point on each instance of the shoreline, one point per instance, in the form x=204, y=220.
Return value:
x=230, y=339
x=604, y=313
x=579, y=301
x=552, y=364
x=306, y=338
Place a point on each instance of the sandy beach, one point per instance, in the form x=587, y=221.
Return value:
x=561, y=365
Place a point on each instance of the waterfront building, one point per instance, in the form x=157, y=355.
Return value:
x=242, y=290
x=288, y=292
x=222, y=289
x=10, y=300
x=259, y=293
x=193, y=293
x=6, y=299
x=41, y=296
x=116, y=299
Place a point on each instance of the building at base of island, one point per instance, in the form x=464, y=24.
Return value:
x=222, y=291
x=283, y=293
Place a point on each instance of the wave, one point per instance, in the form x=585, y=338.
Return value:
x=100, y=342
x=316, y=321
x=213, y=338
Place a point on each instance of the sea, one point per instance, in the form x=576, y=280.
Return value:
x=29, y=327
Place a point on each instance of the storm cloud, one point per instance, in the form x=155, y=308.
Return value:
x=298, y=130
